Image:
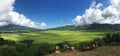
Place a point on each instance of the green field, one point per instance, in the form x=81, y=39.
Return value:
x=55, y=36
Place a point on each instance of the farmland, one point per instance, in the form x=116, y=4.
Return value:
x=56, y=36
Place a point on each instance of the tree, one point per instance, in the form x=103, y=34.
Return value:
x=10, y=43
x=107, y=38
x=27, y=42
x=1, y=41
x=8, y=52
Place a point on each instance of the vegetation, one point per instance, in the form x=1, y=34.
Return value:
x=10, y=27
x=94, y=26
x=56, y=36
x=43, y=42
x=101, y=51
x=112, y=39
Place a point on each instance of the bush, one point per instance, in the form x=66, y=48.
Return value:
x=27, y=42
x=112, y=39
x=32, y=51
x=20, y=47
x=100, y=41
x=107, y=38
x=8, y=52
x=40, y=50
x=9, y=42
x=114, y=43
x=1, y=41
x=78, y=46
x=64, y=48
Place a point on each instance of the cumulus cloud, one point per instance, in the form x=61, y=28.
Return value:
x=43, y=25
x=9, y=16
x=94, y=14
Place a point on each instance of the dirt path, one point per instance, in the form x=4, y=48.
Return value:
x=66, y=53
x=101, y=51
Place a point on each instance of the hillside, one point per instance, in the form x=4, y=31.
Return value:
x=15, y=27
x=101, y=51
x=93, y=26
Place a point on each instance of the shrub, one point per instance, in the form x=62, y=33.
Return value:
x=40, y=50
x=107, y=38
x=100, y=41
x=20, y=47
x=65, y=46
x=1, y=41
x=9, y=42
x=78, y=46
x=113, y=39
x=27, y=42
x=8, y=52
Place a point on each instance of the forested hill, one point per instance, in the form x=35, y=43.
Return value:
x=15, y=27
x=94, y=26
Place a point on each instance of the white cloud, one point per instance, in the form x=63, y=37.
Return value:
x=94, y=14
x=9, y=16
x=42, y=25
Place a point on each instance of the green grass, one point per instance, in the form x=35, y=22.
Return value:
x=56, y=36
x=102, y=51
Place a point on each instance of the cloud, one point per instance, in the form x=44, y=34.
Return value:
x=94, y=14
x=42, y=25
x=9, y=16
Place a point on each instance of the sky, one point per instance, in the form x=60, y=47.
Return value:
x=53, y=13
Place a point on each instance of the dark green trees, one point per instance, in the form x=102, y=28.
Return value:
x=112, y=38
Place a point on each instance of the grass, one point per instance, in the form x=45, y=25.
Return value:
x=100, y=51
x=56, y=36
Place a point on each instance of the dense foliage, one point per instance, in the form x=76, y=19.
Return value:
x=24, y=48
x=112, y=39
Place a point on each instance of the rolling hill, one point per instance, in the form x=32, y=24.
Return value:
x=93, y=26
x=15, y=27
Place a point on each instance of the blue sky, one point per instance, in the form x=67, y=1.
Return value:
x=53, y=12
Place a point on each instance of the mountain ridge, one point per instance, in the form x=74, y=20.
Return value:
x=94, y=26
x=15, y=27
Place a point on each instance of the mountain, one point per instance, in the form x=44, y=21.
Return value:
x=94, y=26
x=15, y=27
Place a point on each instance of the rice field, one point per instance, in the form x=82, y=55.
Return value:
x=56, y=36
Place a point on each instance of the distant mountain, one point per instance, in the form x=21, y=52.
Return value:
x=15, y=27
x=94, y=26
